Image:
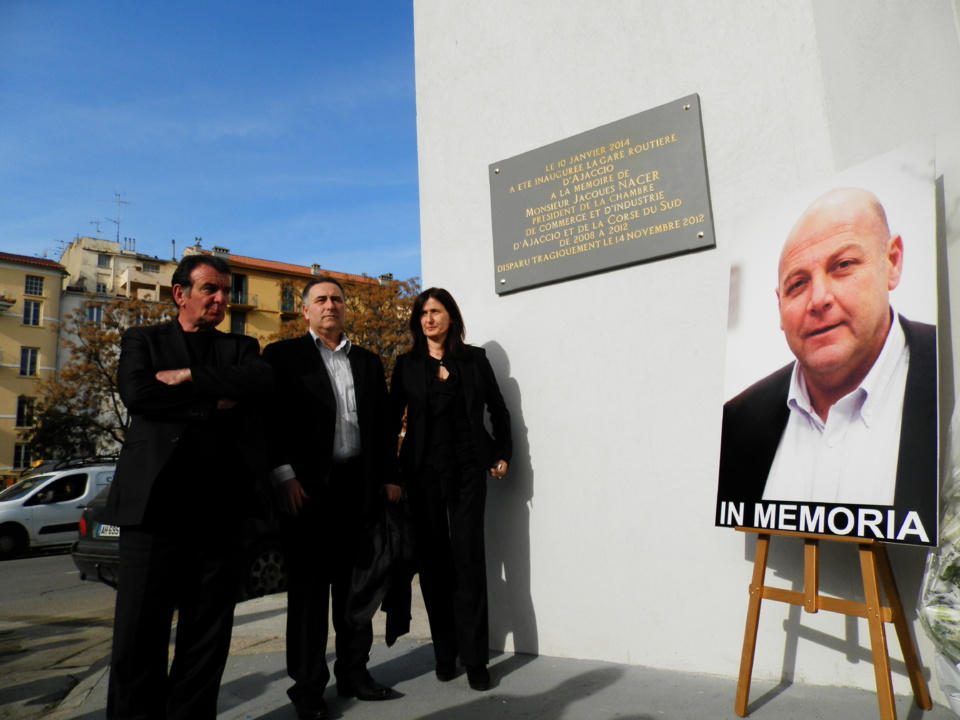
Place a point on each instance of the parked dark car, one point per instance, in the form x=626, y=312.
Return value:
x=96, y=553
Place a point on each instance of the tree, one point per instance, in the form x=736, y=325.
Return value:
x=377, y=318
x=78, y=411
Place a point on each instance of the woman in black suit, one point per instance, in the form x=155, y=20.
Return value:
x=443, y=385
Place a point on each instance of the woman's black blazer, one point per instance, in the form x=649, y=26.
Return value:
x=408, y=391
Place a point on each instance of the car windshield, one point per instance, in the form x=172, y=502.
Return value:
x=24, y=487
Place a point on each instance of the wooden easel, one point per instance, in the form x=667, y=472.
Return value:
x=875, y=568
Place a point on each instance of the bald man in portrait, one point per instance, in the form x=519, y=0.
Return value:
x=853, y=420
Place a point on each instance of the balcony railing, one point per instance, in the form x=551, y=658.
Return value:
x=244, y=299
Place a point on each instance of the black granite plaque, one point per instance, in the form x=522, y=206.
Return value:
x=624, y=193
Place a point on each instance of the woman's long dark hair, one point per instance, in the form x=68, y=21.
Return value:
x=453, y=344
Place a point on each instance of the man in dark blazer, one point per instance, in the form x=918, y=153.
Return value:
x=332, y=455
x=836, y=270
x=186, y=478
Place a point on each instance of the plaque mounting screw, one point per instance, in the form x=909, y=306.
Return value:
x=687, y=106
x=700, y=235
x=503, y=281
x=496, y=171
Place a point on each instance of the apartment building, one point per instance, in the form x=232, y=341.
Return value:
x=29, y=322
x=110, y=268
x=265, y=292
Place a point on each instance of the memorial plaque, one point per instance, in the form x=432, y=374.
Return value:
x=629, y=192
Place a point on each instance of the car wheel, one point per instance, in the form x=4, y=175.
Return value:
x=13, y=540
x=265, y=571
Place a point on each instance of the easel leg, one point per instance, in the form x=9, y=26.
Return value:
x=878, y=637
x=811, y=575
x=753, y=622
x=908, y=648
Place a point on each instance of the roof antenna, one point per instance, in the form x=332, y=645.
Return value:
x=119, y=203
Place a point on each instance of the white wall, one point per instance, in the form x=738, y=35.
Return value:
x=601, y=541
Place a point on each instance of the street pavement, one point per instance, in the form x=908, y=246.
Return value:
x=524, y=686
x=53, y=628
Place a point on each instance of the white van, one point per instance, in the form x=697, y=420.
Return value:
x=44, y=509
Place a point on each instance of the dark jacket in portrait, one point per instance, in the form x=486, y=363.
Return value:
x=754, y=421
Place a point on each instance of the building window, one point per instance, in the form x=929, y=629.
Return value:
x=94, y=313
x=25, y=406
x=22, y=457
x=103, y=260
x=239, y=294
x=33, y=285
x=101, y=288
x=28, y=361
x=31, y=312
x=287, y=301
x=238, y=322
x=151, y=267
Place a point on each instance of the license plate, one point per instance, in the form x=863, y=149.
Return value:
x=108, y=531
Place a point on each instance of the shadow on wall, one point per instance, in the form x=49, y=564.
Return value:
x=509, y=501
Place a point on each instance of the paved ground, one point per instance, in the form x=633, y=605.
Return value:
x=524, y=687
x=53, y=628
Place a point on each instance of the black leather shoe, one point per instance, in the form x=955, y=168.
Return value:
x=446, y=670
x=364, y=690
x=478, y=677
x=311, y=709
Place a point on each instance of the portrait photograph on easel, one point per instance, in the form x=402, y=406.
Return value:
x=830, y=421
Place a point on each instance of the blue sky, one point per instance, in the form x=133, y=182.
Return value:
x=278, y=129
